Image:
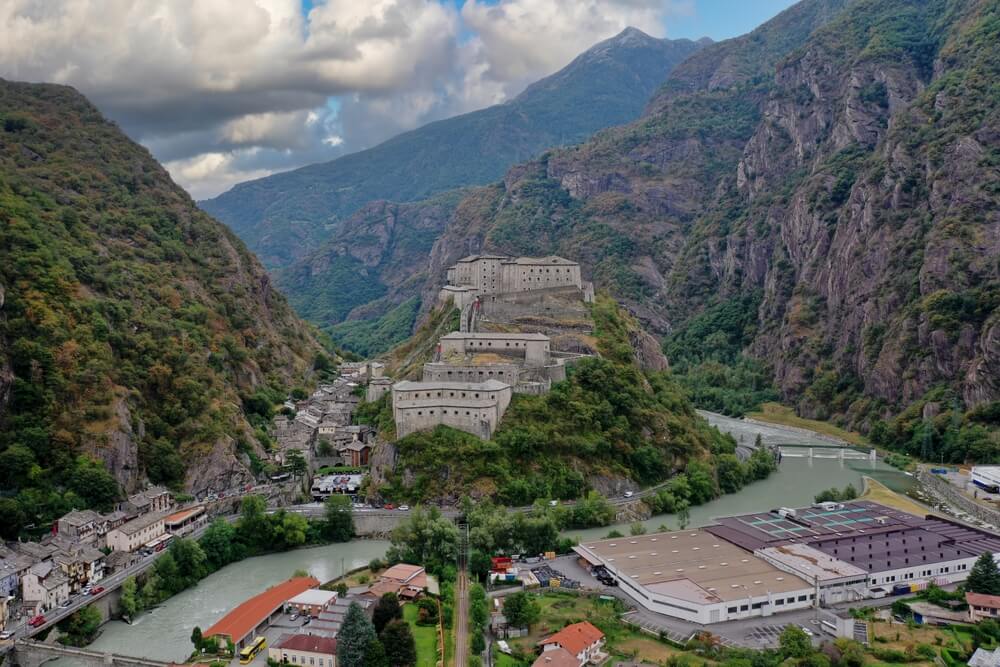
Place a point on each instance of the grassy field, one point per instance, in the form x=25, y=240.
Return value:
x=900, y=637
x=504, y=660
x=776, y=413
x=425, y=637
x=637, y=647
x=880, y=493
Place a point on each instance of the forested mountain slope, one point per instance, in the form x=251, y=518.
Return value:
x=283, y=217
x=822, y=194
x=132, y=324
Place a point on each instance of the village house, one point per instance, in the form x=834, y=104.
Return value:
x=406, y=581
x=982, y=606
x=45, y=586
x=573, y=646
x=134, y=534
x=80, y=526
x=10, y=577
x=154, y=499
x=304, y=650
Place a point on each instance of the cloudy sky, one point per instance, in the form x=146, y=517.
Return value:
x=223, y=91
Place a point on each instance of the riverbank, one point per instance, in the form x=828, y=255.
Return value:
x=879, y=493
x=775, y=413
x=164, y=632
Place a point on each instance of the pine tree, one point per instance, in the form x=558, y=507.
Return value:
x=984, y=577
x=386, y=611
x=355, y=635
x=375, y=655
x=400, y=648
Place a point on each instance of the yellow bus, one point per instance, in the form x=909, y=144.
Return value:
x=250, y=651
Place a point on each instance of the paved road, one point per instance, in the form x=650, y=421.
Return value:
x=110, y=584
x=462, y=619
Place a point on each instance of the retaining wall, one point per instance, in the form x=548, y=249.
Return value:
x=941, y=487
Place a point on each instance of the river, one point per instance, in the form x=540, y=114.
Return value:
x=164, y=633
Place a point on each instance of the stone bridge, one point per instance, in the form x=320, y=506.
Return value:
x=29, y=653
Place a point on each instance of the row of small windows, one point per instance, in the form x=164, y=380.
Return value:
x=407, y=395
x=312, y=660
x=420, y=413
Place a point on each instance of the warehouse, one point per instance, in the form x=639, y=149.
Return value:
x=698, y=577
x=889, y=546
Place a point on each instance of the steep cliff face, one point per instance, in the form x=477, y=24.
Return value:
x=840, y=162
x=132, y=325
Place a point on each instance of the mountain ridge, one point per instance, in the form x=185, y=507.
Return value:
x=284, y=215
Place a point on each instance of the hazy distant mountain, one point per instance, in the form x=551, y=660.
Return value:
x=282, y=217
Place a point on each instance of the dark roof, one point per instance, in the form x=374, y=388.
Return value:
x=310, y=643
x=870, y=536
x=762, y=529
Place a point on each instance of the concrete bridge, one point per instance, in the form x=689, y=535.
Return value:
x=29, y=653
x=827, y=452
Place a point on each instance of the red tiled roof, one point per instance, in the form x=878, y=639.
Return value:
x=575, y=638
x=310, y=643
x=559, y=657
x=983, y=600
x=241, y=621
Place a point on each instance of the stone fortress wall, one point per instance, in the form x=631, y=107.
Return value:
x=469, y=384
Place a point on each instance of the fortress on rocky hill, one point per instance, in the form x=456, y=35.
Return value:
x=469, y=384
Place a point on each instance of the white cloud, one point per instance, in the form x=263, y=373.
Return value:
x=225, y=90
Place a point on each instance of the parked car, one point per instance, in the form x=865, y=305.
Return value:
x=4, y=636
x=67, y=604
x=809, y=633
x=629, y=494
x=308, y=620
x=404, y=508
x=294, y=617
x=86, y=590
x=97, y=590
x=389, y=506
x=37, y=621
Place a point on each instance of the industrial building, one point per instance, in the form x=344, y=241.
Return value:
x=789, y=558
x=891, y=547
x=696, y=576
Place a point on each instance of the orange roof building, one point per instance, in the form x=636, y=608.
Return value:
x=557, y=657
x=581, y=640
x=982, y=606
x=254, y=614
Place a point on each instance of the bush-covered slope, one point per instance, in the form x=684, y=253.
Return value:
x=285, y=216
x=608, y=424
x=131, y=323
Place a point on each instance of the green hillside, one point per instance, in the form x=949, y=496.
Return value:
x=132, y=325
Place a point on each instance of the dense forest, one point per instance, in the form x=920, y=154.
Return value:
x=132, y=325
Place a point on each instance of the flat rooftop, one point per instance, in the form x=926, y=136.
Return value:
x=458, y=335
x=810, y=562
x=692, y=565
x=862, y=534
x=764, y=529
